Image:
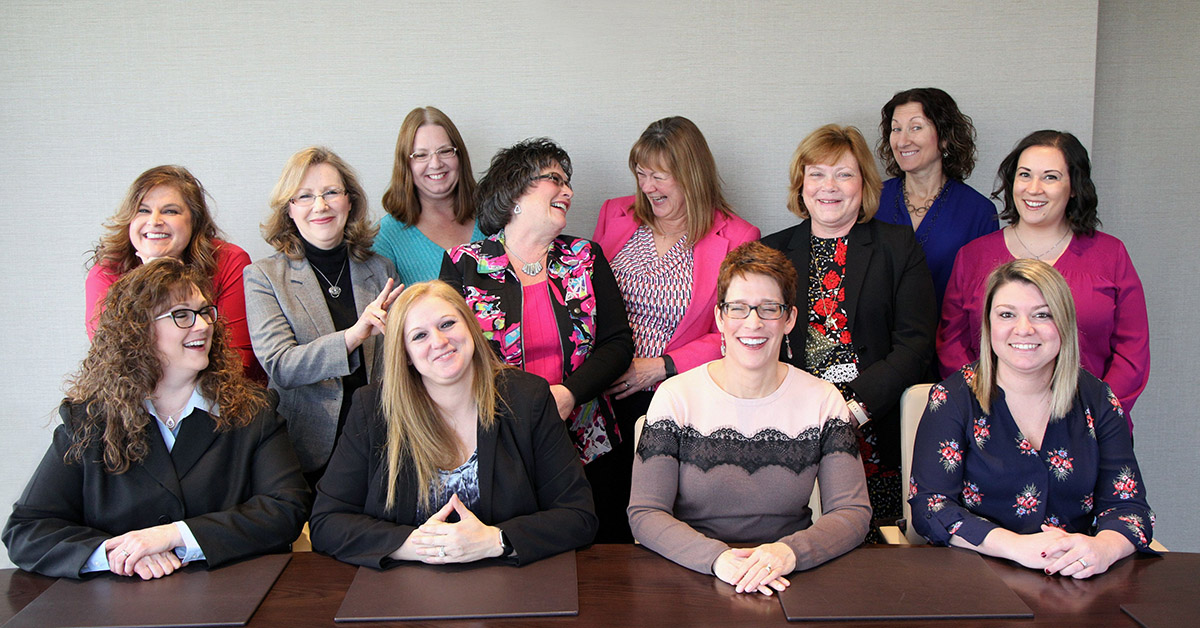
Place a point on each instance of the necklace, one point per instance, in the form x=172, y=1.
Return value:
x=529, y=268
x=1038, y=256
x=920, y=211
x=334, y=290
x=172, y=420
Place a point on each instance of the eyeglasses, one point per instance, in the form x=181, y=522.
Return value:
x=766, y=311
x=185, y=318
x=443, y=153
x=329, y=196
x=554, y=178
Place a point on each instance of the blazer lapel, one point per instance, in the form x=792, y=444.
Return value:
x=485, y=448
x=158, y=462
x=307, y=294
x=707, y=256
x=362, y=279
x=858, y=260
x=800, y=253
x=196, y=436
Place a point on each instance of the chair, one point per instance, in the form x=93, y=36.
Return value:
x=302, y=543
x=912, y=406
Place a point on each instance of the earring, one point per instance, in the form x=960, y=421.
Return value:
x=722, y=346
x=787, y=342
x=517, y=209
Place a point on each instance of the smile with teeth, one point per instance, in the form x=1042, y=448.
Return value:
x=444, y=355
x=195, y=344
x=752, y=342
x=156, y=236
x=657, y=199
x=1023, y=346
x=907, y=153
x=437, y=176
x=1034, y=204
x=559, y=205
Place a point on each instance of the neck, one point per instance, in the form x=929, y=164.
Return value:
x=171, y=393
x=437, y=209
x=529, y=246
x=822, y=231
x=670, y=226
x=1024, y=384
x=746, y=383
x=1049, y=233
x=924, y=185
x=455, y=404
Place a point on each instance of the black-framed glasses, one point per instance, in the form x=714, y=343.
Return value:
x=555, y=178
x=443, y=153
x=766, y=311
x=185, y=318
x=329, y=196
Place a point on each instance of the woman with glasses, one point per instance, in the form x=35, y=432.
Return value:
x=731, y=448
x=547, y=302
x=869, y=313
x=165, y=214
x=430, y=202
x=167, y=454
x=316, y=308
x=665, y=244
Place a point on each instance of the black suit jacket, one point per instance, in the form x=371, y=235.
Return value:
x=531, y=484
x=239, y=491
x=891, y=311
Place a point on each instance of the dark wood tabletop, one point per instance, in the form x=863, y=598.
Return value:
x=627, y=585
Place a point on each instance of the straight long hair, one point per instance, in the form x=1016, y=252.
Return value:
x=400, y=199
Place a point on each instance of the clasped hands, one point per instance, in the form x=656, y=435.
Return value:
x=1056, y=551
x=760, y=569
x=641, y=374
x=148, y=553
x=437, y=542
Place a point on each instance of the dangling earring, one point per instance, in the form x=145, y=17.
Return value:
x=517, y=209
x=722, y=346
x=787, y=342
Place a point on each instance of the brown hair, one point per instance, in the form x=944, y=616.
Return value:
x=955, y=131
x=401, y=200
x=827, y=145
x=1081, y=213
x=756, y=258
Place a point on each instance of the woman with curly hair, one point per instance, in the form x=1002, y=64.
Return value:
x=167, y=454
x=165, y=214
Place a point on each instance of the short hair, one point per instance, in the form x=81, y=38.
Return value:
x=1058, y=297
x=1081, y=207
x=280, y=230
x=827, y=145
x=116, y=252
x=676, y=145
x=955, y=131
x=756, y=258
x=510, y=175
x=400, y=199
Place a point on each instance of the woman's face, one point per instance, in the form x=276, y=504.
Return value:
x=832, y=193
x=436, y=178
x=322, y=224
x=545, y=203
x=1042, y=187
x=183, y=353
x=438, y=342
x=753, y=343
x=914, y=140
x=1024, y=335
x=161, y=225
x=666, y=196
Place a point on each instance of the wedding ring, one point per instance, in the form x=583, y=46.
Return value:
x=626, y=385
x=124, y=554
x=441, y=552
x=1084, y=563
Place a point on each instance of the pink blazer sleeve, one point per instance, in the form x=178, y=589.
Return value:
x=95, y=287
x=954, y=342
x=1129, y=369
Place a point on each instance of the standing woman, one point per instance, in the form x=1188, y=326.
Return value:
x=928, y=145
x=165, y=214
x=317, y=306
x=666, y=244
x=1050, y=204
x=430, y=202
x=868, y=313
x=548, y=303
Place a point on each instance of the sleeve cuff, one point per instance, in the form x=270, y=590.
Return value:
x=98, y=561
x=190, y=550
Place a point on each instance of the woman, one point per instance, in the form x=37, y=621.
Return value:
x=429, y=202
x=869, y=302
x=750, y=426
x=1050, y=204
x=1024, y=455
x=166, y=454
x=666, y=244
x=549, y=304
x=316, y=308
x=165, y=214
x=928, y=145
x=450, y=431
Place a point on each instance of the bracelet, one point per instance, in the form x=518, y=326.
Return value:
x=670, y=365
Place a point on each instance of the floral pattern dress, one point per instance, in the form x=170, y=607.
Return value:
x=973, y=471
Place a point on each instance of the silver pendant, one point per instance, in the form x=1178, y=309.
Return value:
x=335, y=291
x=532, y=268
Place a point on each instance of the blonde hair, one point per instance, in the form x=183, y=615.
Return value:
x=280, y=230
x=417, y=436
x=1062, y=310
x=827, y=145
x=400, y=200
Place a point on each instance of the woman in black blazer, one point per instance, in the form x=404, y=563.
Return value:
x=453, y=457
x=166, y=454
x=869, y=314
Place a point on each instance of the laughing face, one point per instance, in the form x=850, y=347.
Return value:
x=666, y=196
x=832, y=193
x=162, y=226
x=183, y=353
x=1042, y=187
x=1024, y=336
x=545, y=204
x=437, y=178
x=753, y=343
x=438, y=342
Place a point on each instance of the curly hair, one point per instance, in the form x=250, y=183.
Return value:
x=280, y=230
x=510, y=174
x=1081, y=207
x=955, y=131
x=123, y=367
x=400, y=199
x=827, y=145
x=115, y=251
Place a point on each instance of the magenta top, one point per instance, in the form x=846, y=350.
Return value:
x=543, y=353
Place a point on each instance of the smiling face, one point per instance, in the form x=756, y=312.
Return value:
x=162, y=225
x=832, y=193
x=545, y=204
x=437, y=178
x=322, y=224
x=753, y=343
x=914, y=140
x=183, y=353
x=1042, y=187
x=1024, y=335
x=438, y=343
x=662, y=189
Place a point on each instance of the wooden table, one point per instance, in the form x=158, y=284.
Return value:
x=627, y=585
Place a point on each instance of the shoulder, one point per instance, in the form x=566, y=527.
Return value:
x=984, y=251
x=618, y=208
x=230, y=254
x=968, y=198
x=484, y=249
x=781, y=240
x=734, y=228
x=1101, y=245
x=379, y=263
x=101, y=274
x=523, y=393
x=888, y=233
x=574, y=251
x=271, y=269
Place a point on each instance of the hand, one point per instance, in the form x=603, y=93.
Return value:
x=1083, y=555
x=758, y=569
x=641, y=374
x=157, y=565
x=564, y=399
x=373, y=320
x=437, y=542
x=1029, y=550
x=127, y=550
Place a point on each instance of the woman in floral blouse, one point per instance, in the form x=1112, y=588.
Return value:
x=548, y=303
x=1046, y=476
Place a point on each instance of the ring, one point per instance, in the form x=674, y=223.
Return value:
x=441, y=552
x=627, y=385
x=769, y=568
x=124, y=554
x=1084, y=563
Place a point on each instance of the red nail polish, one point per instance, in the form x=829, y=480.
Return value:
x=1043, y=554
x=1047, y=570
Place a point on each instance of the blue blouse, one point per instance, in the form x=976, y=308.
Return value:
x=417, y=258
x=973, y=472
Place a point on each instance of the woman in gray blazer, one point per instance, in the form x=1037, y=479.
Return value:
x=316, y=308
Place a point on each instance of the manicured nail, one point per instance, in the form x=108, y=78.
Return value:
x=1043, y=554
x=1047, y=570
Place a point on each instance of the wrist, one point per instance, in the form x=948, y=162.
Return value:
x=669, y=369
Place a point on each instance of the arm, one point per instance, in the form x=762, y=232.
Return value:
x=451, y=273
x=953, y=334
x=613, y=349
x=1119, y=497
x=1129, y=369
x=95, y=287
x=230, y=299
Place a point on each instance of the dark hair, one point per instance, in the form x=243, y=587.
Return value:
x=955, y=131
x=756, y=258
x=1081, y=207
x=510, y=174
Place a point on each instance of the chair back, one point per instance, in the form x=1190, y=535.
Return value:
x=912, y=406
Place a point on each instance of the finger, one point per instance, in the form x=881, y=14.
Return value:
x=143, y=571
x=442, y=513
x=392, y=296
x=387, y=287
x=464, y=513
x=779, y=584
x=156, y=568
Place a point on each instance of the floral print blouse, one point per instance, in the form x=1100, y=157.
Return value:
x=973, y=472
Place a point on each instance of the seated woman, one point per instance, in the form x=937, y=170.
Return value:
x=166, y=454
x=731, y=448
x=453, y=457
x=165, y=214
x=1024, y=455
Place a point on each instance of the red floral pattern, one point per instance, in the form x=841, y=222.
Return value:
x=1125, y=486
x=1028, y=500
x=1060, y=463
x=950, y=454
